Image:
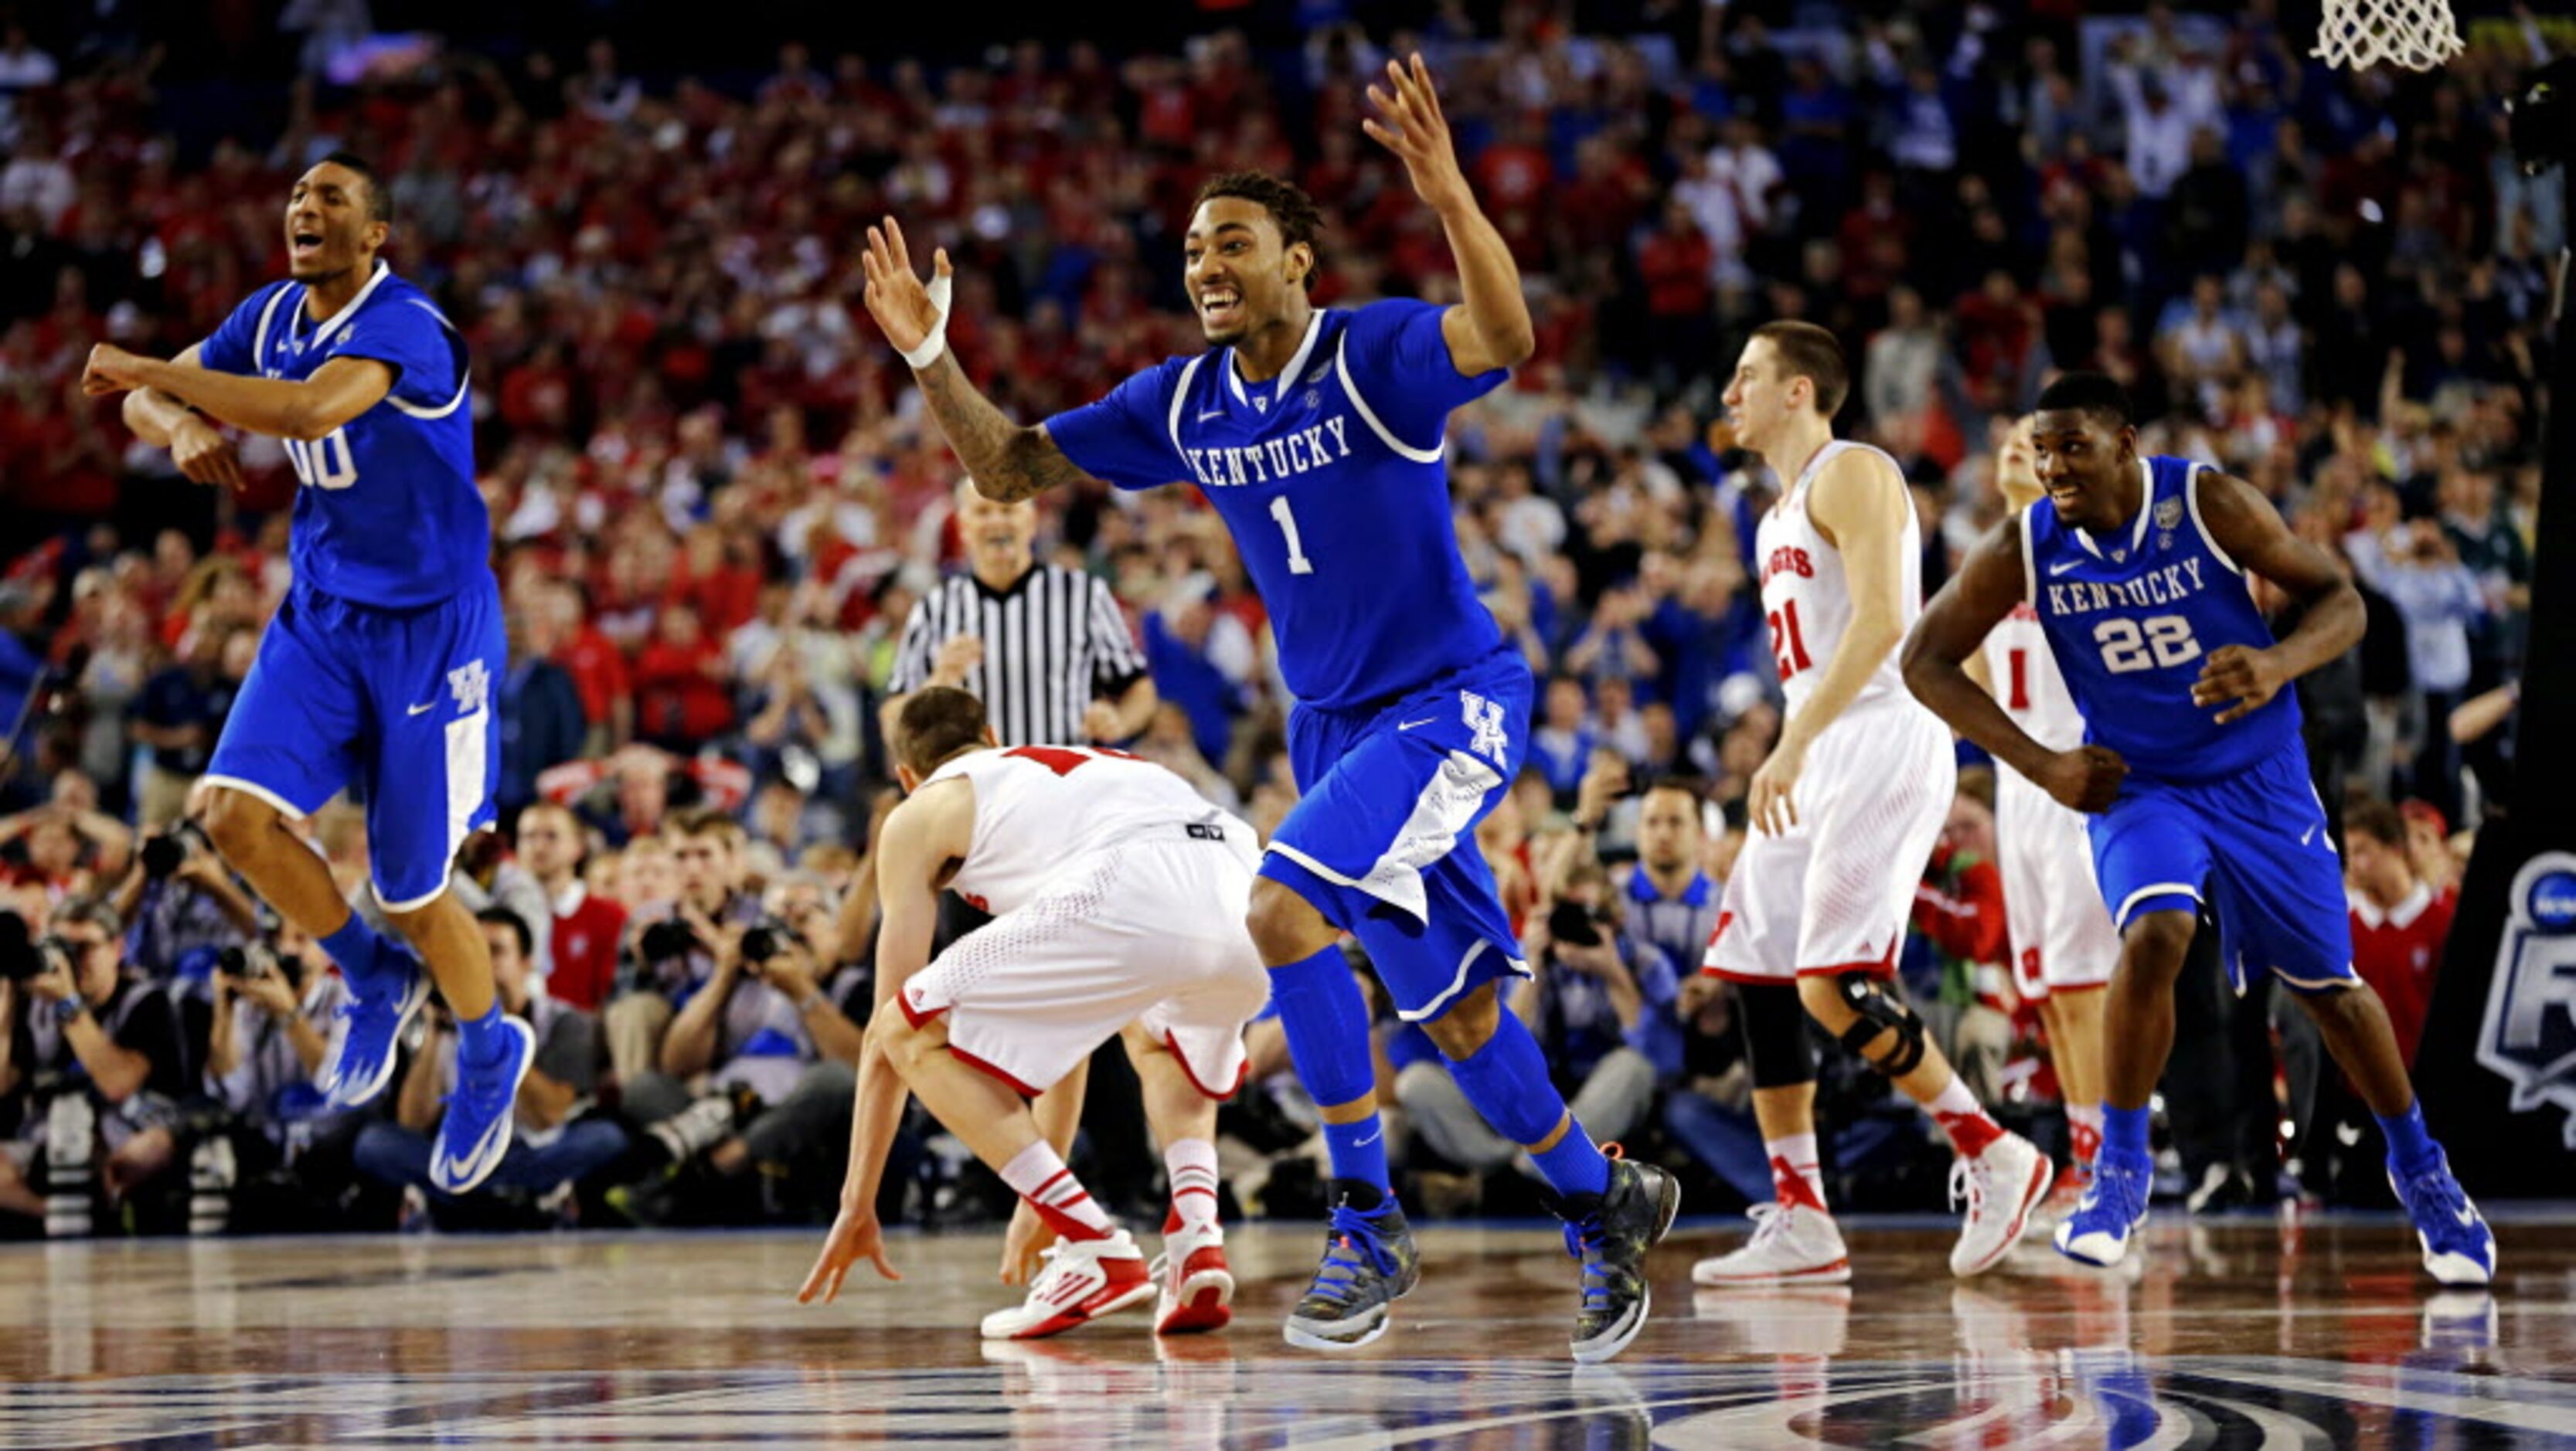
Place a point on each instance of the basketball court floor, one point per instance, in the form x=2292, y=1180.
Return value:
x=2302, y=1333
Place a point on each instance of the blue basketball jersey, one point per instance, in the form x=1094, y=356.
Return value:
x=2132, y=618
x=389, y=514
x=1331, y=479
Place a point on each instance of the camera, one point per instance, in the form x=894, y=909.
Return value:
x=668, y=940
x=23, y=956
x=765, y=939
x=1573, y=924
x=248, y=964
x=165, y=852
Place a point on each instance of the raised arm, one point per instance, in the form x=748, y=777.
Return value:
x=1953, y=627
x=1491, y=328
x=199, y=448
x=2250, y=532
x=1008, y=461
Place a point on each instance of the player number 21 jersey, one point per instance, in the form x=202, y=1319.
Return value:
x=1806, y=596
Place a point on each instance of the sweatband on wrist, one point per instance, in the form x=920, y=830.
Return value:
x=937, y=343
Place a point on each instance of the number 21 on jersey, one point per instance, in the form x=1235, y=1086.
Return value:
x=1788, y=645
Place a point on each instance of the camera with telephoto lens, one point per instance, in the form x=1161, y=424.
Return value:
x=1574, y=924
x=247, y=964
x=165, y=852
x=765, y=939
x=669, y=940
x=24, y=956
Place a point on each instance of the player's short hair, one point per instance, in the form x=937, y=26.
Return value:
x=1813, y=353
x=937, y=721
x=523, y=934
x=1299, y=219
x=2097, y=394
x=701, y=821
x=2377, y=820
x=380, y=202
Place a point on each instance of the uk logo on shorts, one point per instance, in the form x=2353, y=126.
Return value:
x=1485, y=718
x=2529, y=1037
x=472, y=686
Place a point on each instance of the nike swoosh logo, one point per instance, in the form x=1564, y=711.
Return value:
x=2307, y=836
x=2467, y=1217
x=1408, y=725
x=455, y=1170
x=422, y=709
x=1371, y=1139
x=1211, y=413
x=2055, y=570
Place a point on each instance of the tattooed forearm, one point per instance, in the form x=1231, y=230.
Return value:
x=1007, y=462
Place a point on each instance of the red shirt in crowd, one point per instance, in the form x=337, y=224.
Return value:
x=2399, y=953
x=584, y=948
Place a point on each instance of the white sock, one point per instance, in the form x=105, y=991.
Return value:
x=1192, y=1166
x=1794, y=1170
x=1955, y=1099
x=2084, y=1124
x=1038, y=1175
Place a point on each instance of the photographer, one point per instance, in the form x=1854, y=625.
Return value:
x=275, y=1006
x=1600, y=1003
x=98, y=1046
x=766, y=1039
x=63, y=847
x=181, y=898
x=670, y=952
x=552, y=1144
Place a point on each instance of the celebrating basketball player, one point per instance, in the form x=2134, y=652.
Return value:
x=1119, y=896
x=1318, y=436
x=379, y=669
x=2138, y=569
x=2063, y=947
x=1844, y=814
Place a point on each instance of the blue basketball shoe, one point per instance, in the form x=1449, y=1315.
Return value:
x=2459, y=1249
x=2113, y=1207
x=382, y=999
x=475, y=1132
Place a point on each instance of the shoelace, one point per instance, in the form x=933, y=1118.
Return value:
x=1337, y=1279
x=2433, y=1193
x=1583, y=1240
x=481, y=1097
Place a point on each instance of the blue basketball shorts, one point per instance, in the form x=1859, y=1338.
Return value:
x=2254, y=849
x=395, y=705
x=1382, y=841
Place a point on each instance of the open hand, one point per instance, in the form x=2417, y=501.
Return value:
x=2235, y=672
x=1771, y=807
x=896, y=298
x=1409, y=123
x=855, y=1236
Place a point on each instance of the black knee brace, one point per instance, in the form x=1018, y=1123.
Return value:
x=1775, y=1034
x=1880, y=1011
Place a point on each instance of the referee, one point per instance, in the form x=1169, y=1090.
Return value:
x=1044, y=647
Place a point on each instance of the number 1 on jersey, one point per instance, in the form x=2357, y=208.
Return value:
x=2020, y=661
x=1298, y=563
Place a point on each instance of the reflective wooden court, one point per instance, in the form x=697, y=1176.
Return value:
x=2254, y=1333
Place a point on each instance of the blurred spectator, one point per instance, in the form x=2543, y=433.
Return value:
x=587, y=928
x=2417, y=566
x=179, y=714
x=2399, y=921
x=673, y=945
x=1203, y=661
x=1959, y=908
x=555, y=1142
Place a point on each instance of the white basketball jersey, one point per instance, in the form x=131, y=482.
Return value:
x=1040, y=809
x=1806, y=598
x=2027, y=684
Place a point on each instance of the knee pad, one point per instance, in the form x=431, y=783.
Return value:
x=1775, y=1034
x=1880, y=1011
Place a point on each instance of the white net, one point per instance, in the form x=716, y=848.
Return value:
x=2416, y=34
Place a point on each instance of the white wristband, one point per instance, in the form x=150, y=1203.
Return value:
x=937, y=343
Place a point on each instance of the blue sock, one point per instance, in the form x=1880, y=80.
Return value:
x=1328, y=1039
x=357, y=948
x=480, y=1041
x=2411, y=1151
x=2124, y=1137
x=1507, y=1082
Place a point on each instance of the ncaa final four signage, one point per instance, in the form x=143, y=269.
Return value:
x=2530, y=1033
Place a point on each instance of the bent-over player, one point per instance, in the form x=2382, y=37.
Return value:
x=2141, y=570
x=1118, y=895
x=1844, y=815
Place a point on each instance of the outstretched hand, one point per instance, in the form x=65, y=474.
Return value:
x=1409, y=123
x=855, y=1236
x=899, y=300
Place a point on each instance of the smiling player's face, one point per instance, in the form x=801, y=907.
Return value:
x=1237, y=270
x=328, y=227
x=2080, y=460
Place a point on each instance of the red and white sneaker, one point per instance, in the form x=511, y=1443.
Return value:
x=1791, y=1244
x=2001, y=1186
x=1084, y=1279
x=1198, y=1289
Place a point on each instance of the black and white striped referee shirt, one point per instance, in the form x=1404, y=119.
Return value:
x=1053, y=642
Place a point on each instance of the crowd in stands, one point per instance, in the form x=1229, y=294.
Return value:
x=715, y=506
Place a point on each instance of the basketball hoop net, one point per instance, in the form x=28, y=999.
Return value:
x=2416, y=34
